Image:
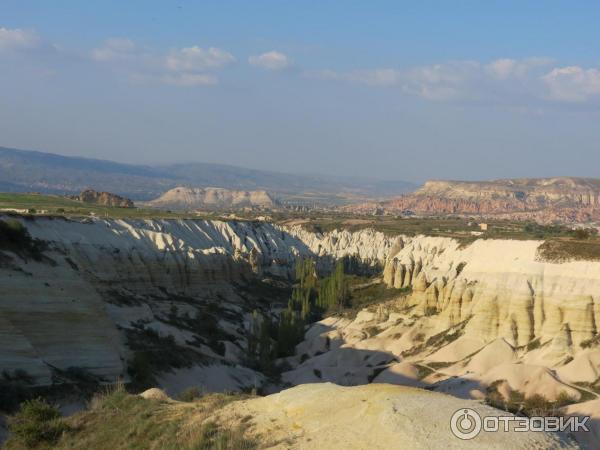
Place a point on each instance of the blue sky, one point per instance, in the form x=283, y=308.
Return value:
x=393, y=90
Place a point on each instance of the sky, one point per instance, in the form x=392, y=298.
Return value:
x=398, y=90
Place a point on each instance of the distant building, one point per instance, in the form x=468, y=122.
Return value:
x=483, y=226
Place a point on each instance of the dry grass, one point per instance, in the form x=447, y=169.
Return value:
x=565, y=249
x=117, y=420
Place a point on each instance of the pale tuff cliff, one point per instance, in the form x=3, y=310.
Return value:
x=121, y=271
x=502, y=286
x=491, y=317
x=99, y=281
x=544, y=199
x=378, y=416
x=214, y=198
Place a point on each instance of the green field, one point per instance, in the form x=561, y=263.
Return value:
x=55, y=205
x=455, y=227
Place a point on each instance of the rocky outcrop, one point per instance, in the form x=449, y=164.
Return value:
x=103, y=199
x=214, y=198
x=377, y=416
x=502, y=286
x=545, y=200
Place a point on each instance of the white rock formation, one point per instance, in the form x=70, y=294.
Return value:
x=99, y=277
x=210, y=197
x=376, y=416
x=501, y=287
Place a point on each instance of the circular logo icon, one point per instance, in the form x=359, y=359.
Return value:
x=465, y=424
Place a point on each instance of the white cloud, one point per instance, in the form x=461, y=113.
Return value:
x=373, y=77
x=501, y=81
x=190, y=79
x=196, y=59
x=114, y=49
x=18, y=39
x=435, y=82
x=190, y=66
x=505, y=68
x=572, y=83
x=448, y=81
x=272, y=60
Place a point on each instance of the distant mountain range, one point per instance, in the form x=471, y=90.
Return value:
x=22, y=170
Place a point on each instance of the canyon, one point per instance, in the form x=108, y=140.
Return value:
x=473, y=320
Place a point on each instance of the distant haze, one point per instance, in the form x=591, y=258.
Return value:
x=383, y=89
x=46, y=172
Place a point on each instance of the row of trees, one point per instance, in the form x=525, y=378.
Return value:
x=311, y=298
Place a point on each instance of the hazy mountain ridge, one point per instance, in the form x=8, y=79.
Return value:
x=22, y=170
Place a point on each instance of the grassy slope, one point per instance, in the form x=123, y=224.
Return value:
x=118, y=420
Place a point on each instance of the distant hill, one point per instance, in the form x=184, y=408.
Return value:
x=103, y=199
x=562, y=199
x=22, y=170
x=214, y=198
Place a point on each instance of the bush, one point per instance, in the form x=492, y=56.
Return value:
x=213, y=436
x=533, y=345
x=141, y=370
x=14, y=237
x=190, y=394
x=37, y=423
x=14, y=389
x=430, y=311
x=109, y=398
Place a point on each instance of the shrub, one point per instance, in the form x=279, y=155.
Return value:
x=213, y=436
x=14, y=389
x=533, y=345
x=430, y=311
x=563, y=399
x=141, y=370
x=590, y=342
x=537, y=405
x=37, y=423
x=109, y=398
x=493, y=396
x=14, y=237
x=190, y=394
x=373, y=331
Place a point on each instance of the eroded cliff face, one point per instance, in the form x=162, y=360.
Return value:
x=490, y=318
x=101, y=283
x=545, y=200
x=193, y=198
x=501, y=287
